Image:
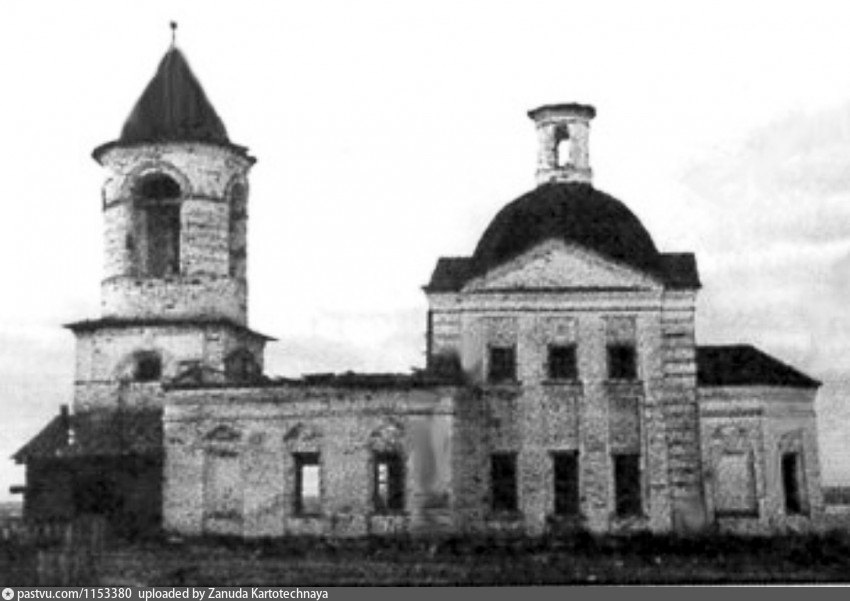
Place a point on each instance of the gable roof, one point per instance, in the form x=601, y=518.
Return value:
x=678, y=271
x=96, y=433
x=745, y=365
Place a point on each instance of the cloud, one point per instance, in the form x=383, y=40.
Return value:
x=776, y=259
x=788, y=181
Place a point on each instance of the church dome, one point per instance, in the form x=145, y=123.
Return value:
x=574, y=212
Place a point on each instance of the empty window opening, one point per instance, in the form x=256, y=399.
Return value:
x=241, y=366
x=791, y=483
x=157, y=238
x=389, y=482
x=627, y=488
x=565, y=468
x=502, y=364
x=308, y=500
x=622, y=362
x=562, y=362
x=158, y=187
x=563, y=150
x=148, y=367
x=503, y=481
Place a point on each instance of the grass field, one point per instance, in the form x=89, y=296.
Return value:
x=582, y=559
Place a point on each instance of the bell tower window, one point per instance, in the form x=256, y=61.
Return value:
x=148, y=367
x=157, y=226
x=563, y=144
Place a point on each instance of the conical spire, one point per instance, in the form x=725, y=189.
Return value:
x=173, y=108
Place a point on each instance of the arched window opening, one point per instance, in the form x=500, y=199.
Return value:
x=148, y=367
x=159, y=187
x=563, y=147
x=241, y=366
x=158, y=226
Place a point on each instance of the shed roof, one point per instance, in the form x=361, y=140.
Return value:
x=96, y=433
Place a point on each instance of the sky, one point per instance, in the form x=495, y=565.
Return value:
x=389, y=134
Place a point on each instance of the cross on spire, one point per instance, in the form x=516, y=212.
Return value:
x=173, y=25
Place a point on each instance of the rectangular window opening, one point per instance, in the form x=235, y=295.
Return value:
x=389, y=482
x=502, y=365
x=791, y=483
x=627, y=486
x=562, y=362
x=565, y=467
x=308, y=499
x=503, y=481
x=622, y=362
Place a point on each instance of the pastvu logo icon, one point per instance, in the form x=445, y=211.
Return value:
x=8, y=594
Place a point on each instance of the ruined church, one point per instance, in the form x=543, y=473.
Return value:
x=563, y=388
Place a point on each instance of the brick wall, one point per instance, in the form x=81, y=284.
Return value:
x=261, y=430
x=105, y=359
x=207, y=284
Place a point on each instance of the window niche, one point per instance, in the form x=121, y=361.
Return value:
x=241, y=367
x=155, y=242
x=735, y=490
x=237, y=235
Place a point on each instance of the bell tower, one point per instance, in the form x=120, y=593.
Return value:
x=563, y=132
x=174, y=289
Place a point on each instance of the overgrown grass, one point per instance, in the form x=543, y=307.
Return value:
x=578, y=558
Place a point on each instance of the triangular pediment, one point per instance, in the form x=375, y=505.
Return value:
x=555, y=265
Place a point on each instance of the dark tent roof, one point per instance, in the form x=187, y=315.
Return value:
x=745, y=365
x=97, y=433
x=572, y=212
x=172, y=108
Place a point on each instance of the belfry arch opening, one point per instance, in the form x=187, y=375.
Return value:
x=156, y=236
x=563, y=146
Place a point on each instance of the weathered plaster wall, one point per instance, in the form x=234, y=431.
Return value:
x=214, y=192
x=260, y=429
x=105, y=359
x=761, y=421
x=594, y=416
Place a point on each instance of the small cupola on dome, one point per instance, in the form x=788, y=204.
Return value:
x=562, y=132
